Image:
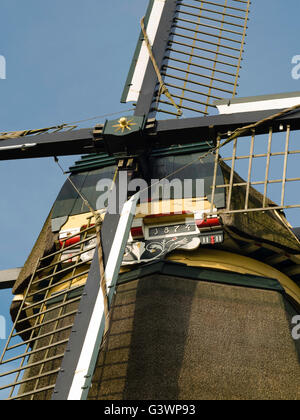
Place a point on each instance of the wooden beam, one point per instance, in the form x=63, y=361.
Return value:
x=8, y=278
x=48, y=145
x=162, y=134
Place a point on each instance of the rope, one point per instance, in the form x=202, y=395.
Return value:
x=23, y=133
x=163, y=88
x=70, y=125
x=102, y=116
x=243, y=130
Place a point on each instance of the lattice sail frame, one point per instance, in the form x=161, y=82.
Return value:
x=269, y=164
x=205, y=53
x=46, y=315
x=202, y=59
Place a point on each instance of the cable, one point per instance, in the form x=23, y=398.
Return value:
x=240, y=131
x=101, y=116
x=84, y=199
x=56, y=128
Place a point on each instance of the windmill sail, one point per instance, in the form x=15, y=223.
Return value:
x=199, y=57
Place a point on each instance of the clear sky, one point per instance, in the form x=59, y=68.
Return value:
x=68, y=60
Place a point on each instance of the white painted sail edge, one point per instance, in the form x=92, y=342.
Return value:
x=143, y=60
x=263, y=105
x=97, y=321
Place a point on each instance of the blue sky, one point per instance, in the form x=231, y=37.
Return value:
x=68, y=60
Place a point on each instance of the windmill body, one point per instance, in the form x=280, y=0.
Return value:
x=193, y=294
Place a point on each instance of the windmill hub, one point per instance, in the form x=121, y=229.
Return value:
x=123, y=121
x=124, y=124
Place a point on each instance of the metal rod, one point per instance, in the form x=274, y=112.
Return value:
x=50, y=346
x=178, y=19
x=44, y=323
x=40, y=337
x=286, y=154
x=49, y=310
x=38, y=292
x=201, y=66
x=18, y=315
x=221, y=5
x=192, y=100
x=183, y=107
x=57, y=273
x=249, y=170
x=232, y=174
x=183, y=44
x=212, y=11
x=196, y=83
x=295, y=206
x=165, y=111
x=35, y=304
x=204, y=33
x=216, y=56
x=68, y=249
x=50, y=359
x=268, y=166
x=191, y=90
x=291, y=152
x=28, y=394
x=23, y=381
x=237, y=25
x=189, y=63
x=67, y=239
x=199, y=75
x=270, y=181
x=215, y=174
x=202, y=57
x=241, y=51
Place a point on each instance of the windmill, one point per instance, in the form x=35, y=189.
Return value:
x=202, y=288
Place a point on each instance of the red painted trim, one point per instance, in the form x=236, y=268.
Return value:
x=137, y=232
x=69, y=242
x=208, y=222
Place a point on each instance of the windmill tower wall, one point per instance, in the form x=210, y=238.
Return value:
x=174, y=338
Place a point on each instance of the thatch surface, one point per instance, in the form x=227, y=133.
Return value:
x=44, y=245
x=176, y=339
x=264, y=227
